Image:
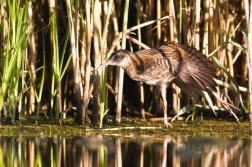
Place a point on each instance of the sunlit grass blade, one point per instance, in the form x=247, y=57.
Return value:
x=237, y=45
x=231, y=78
x=191, y=108
x=14, y=44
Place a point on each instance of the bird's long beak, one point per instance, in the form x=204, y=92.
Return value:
x=108, y=62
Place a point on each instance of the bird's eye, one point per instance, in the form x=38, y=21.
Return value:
x=118, y=57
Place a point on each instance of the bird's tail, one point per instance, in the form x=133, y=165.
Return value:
x=228, y=106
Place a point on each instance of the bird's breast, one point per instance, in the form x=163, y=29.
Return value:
x=151, y=75
x=151, y=67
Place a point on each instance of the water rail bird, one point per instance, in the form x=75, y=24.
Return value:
x=183, y=65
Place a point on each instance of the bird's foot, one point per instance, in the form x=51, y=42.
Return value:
x=166, y=124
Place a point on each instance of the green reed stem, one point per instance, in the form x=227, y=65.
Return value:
x=14, y=44
x=121, y=72
x=58, y=70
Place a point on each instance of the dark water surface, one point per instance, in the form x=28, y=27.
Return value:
x=124, y=151
x=196, y=145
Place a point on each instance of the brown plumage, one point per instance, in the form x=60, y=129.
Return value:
x=183, y=65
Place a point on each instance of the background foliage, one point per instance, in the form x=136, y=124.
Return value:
x=49, y=50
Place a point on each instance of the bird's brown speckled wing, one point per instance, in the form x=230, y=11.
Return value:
x=190, y=65
x=153, y=66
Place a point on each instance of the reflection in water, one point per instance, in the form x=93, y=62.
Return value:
x=121, y=151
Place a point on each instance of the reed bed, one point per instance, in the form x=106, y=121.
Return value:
x=50, y=51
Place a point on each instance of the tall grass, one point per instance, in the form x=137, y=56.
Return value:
x=14, y=38
x=78, y=87
x=121, y=72
x=59, y=68
x=38, y=93
x=248, y=12
x=91, y=28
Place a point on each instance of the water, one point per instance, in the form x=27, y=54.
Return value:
x=115, y=151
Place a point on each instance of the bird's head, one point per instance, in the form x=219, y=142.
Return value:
x=119, y=58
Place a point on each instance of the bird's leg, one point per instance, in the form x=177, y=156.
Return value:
x=163, y=94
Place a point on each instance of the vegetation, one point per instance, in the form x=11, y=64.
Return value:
x=50, y=50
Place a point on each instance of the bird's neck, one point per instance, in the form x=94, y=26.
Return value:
x=135, y=66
